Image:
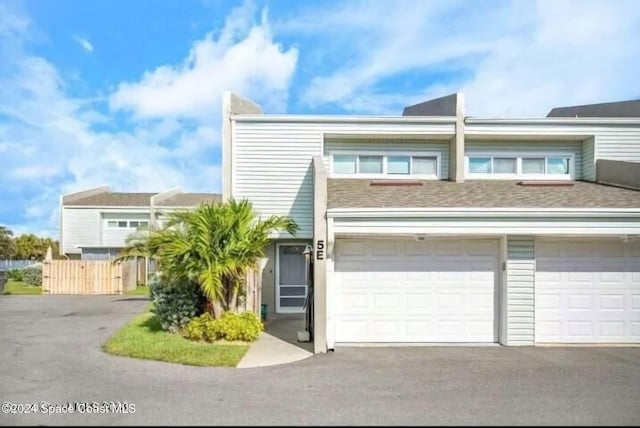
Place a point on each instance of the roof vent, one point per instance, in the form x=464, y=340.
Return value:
x=396, y=183
x=546, y=183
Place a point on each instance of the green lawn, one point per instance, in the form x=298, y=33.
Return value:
x=144, y=338
x=19, y=287
x=141, y=290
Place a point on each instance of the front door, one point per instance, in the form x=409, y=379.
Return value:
x=291, y=278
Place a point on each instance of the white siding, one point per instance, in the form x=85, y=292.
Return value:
x=548, y=128
x=613, y=141
x=80, y=226
x=272, y=168
x=272, y=161
x=116, y=236
x=520, y=301
x=588, y=159
x=441, y=147
x=521, y=146
x=623, y=145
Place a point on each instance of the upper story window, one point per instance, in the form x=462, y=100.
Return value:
x=127, y=224
x=526, y=166
x=389, y=165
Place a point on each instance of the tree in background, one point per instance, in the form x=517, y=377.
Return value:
x=29, y=247
x=25, y=247
x=7, y=246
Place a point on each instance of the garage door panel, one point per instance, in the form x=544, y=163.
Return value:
x=580, y=302
x=612, y=302
x=587, y=296
x=612, y=329
x=416, y=248
x=482, y=248
x=384, y=248
x=420, y=302
x=415, y=291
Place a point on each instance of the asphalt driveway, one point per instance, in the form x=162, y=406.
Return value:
x=50, y=352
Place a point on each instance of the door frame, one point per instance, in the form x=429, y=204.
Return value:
x=280, y=310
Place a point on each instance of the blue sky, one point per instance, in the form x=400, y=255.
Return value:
x=127, y=93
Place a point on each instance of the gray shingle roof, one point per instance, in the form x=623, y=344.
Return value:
x=189, y=199
x=359, y=193
x=113, y=199
x=122, y=199
x=616, y=109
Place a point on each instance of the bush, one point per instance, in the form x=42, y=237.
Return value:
x=175, y=303
x=230, y=326
x=32, y=275
x=196, y=328
x=15, y=275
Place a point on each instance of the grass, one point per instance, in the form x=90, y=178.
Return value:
x=144, y=338
x=19, y=287
x=140, y=290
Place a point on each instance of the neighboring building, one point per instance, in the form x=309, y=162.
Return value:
x=437, y=227
x=95, y=223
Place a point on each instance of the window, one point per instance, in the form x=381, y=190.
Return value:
x=533, y=165
x=559, y=165
x=137, y=224
x=526, y=166
x=480, y=165
x=422, y=165
x=393, y=165
x=398, y=164
x=344, y=164
x=369, y=164
x=504, y=165
x=124, y=224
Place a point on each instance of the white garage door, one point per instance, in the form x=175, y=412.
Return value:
x=437, y=290
x=587, y=291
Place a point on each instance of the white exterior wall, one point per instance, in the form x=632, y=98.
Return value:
x=389, y=146
x=80, y=226
x=615, y=141
x=116, y=236
x=87, y=227
x=272, y=168
x=523, y=146
x=622, y=144
x=588, y=159
x=519, y=301
x=271, y=161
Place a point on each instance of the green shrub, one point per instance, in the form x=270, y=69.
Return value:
x=32, y=275
x=195, y=330
x=15, y=275
x=175, y=303
x=230, y=326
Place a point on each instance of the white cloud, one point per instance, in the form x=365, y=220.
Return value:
x=513, y=58
x=84, y=43
x=51, y=143
x=244, y=58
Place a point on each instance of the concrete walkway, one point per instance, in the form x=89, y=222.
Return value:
x=278, y=344
x=268, y=350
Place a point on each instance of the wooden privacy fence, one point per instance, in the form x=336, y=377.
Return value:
x=87, y=277
x=253, y=288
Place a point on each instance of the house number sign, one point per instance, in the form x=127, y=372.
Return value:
x=320, y=249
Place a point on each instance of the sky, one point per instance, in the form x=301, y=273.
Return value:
x=127, y=93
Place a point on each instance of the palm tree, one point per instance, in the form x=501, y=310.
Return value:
x=214, y=245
